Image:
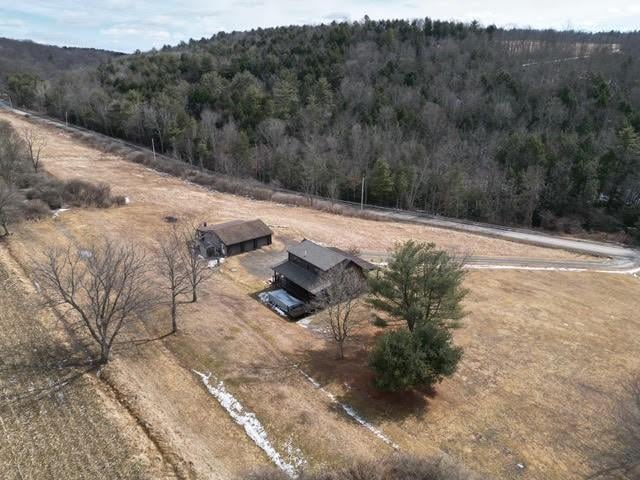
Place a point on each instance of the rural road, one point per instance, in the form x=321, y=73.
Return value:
x=614, y=258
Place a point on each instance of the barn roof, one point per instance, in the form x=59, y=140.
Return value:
x=237, y=231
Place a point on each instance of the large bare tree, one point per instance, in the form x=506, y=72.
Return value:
x=345, y=286
x=171, y=266
x=197, y=268
x=106, y=284
x=35, y=143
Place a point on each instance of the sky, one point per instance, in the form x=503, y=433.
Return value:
x=127, y=25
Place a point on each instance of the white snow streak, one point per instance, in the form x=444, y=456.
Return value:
x=251, y=424
x=349, y=410
x=59, y=211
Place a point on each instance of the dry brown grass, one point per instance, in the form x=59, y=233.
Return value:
x=546, y=355
x=55, y=419
x=544, y=351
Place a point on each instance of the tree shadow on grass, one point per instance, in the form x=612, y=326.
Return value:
x=31, y=371
x=353, y=377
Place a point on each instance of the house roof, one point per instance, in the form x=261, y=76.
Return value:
x=321, y=257
x=363, y=264
x=237, y=231
x=311, y=282
x=325, y=258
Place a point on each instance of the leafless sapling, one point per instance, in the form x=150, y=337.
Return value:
x=344, y=288
x=106, y=284
x=170, y=264
x=197, y=268
x=35, y=142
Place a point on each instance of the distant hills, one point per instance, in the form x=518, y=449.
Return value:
x=46, y=61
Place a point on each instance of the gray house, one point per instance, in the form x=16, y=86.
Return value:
x=303, y=274
x=232, y=238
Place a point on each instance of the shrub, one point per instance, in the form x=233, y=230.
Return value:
x=403, y=360
x=397, y=467
x=80, y=193
x=35, y=209
x=380, y=322
x=139, y=157
x=48, y=192
x=119, y=200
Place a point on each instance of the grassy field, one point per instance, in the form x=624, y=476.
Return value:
x=545, y=352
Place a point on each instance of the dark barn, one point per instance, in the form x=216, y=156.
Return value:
x=232, y=238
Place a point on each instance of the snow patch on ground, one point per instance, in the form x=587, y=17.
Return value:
x=305, y=322
x=59, y=211
x=215, y=262
x=252, y=426
x=349, y=410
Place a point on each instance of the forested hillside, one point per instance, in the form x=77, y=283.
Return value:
x=26, y=66
x=516, y=127
x=46, y=61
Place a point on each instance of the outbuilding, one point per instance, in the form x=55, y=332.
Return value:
x=232, y=238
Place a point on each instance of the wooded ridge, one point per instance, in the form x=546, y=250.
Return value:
x=519, y=127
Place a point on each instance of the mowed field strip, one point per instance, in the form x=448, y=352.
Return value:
x=545, y=352
x=56, y=420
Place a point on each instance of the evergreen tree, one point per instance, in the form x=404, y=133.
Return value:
x=403, y=360
x=420, y=285
x=381, y=182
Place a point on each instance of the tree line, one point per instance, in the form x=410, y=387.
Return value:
x=523, y=127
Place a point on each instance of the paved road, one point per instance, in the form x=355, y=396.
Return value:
x=602, y=265
x=615, y=258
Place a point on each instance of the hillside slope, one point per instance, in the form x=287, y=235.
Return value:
x=46, y=61
x=516, y=127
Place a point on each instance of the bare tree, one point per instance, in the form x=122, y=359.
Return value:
x=623, y=460
x=8, y=205
x=170, y=264
x=197, y=268
x=35, y=143
x=344, y=289
x=105, y=284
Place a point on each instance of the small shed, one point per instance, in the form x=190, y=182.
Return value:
x=232, y=238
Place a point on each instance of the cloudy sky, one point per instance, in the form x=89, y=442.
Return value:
x=126, y=25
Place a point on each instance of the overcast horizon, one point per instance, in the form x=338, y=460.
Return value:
x=126, y=26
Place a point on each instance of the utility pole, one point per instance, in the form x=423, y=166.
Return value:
x=66, y=119
x=153, y=147
x=362, y=195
